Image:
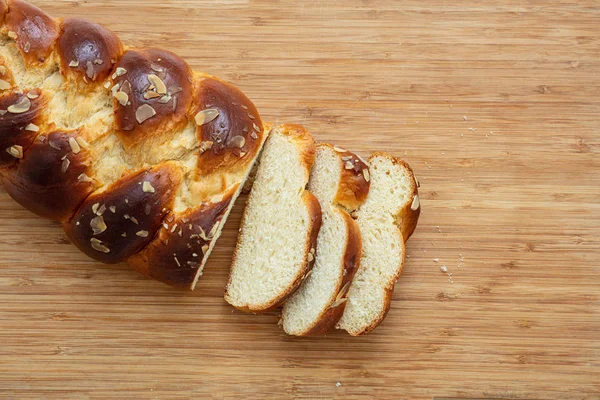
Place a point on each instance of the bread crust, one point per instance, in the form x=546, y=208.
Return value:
x=306, y=145
x=406, y=221
x=352, y=253
x=354, y=182
x=96, y=52
x=46, y=165
x=36, y=31
x=408, y=217
x=352, y=190
x=112, y=225
x=51, y=180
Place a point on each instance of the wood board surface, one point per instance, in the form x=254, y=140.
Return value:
x=496, y=106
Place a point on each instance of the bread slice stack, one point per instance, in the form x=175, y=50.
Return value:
x=333, y=265
x=340, y=181
x=277, y=239
x=386, y=220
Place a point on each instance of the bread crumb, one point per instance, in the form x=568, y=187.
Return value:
x=338, y=384
x=436, y=260
x=465, y=117
x=443, y=268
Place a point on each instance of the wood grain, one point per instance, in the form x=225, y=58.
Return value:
x=496, y=106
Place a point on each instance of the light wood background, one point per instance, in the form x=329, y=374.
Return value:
x=496, y=105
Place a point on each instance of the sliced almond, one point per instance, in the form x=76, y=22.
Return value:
x=54, y=144
x=236, y=142
x=339, y=149
x=122, y=98
x=33, y=95
x=12, y=35
x=147, y=187
x=4, y=85
x=144, y=112
x=204, y=249
x=15, y=151
x=142, y=233
x=82, y=142
x=32, y=128
x=206, y=145
x=74, y=63
x=97, y=224
x=112, y=209
x=120, y=71
x=89, y=70
x=338, y=302
x=310, y=257
x=27, y=47
x=21, y=106
x=348, y=165
x=415, y=203
x=75, y=148
x=158, y=84
x=99, y=246
x=343, y=290
x=84, y=178
x=214, y=229
x=165, y=99
x=366, y=174
x=151, y=95
x=65, y=165
x=205, y=116
x=95, y=207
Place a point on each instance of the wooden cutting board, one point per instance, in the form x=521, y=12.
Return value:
x=496, y=105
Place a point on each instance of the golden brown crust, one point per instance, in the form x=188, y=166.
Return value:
x=148, y=112
x=156, y=81
x=52, y=179
x=3, y=10
x=408, y=217
x=406, y=221
x=36, y=31
x=355, y=180
x=175, y=255
x=88, y=51
x=352, y=255
x=304, y=141
x=112, y=225
x=232, y=132
x=19, y=128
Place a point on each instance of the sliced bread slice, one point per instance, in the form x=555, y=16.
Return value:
x=340, y=181
x=386, y=220
x=277, y=240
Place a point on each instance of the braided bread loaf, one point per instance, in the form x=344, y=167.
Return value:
x=137, y=156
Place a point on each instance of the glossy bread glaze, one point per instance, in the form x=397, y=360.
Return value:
x=112, y=142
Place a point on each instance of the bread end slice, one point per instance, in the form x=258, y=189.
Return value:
x=386, y=220
x=277, y=240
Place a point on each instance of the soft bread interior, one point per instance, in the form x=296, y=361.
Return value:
x=383, y=245
x=305, y=307
x=271, y=250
